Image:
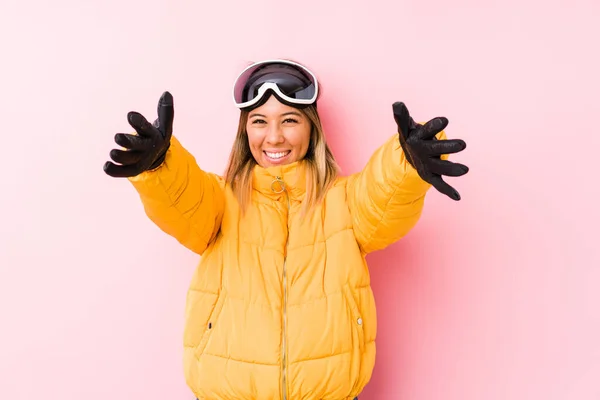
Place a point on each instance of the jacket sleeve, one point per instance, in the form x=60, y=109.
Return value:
x=181, y=199
x=386, y=198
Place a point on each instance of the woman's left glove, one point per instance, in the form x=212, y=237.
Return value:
x=423, y=151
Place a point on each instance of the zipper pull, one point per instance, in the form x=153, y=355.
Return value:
x=281, y=184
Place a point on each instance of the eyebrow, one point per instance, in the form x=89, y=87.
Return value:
x=282, y=115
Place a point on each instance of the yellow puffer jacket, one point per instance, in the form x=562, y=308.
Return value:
x=280, y=307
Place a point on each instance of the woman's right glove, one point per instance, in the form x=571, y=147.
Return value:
x=146, y=150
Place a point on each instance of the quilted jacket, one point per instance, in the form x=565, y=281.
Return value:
x=280, y=306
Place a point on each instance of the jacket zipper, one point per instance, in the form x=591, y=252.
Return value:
x=284, y=334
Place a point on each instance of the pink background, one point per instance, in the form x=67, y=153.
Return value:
x=493, y=297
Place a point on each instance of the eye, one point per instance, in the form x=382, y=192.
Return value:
x=258, y=121
x=291, y=120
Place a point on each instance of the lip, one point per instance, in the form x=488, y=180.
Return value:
x=276, y=161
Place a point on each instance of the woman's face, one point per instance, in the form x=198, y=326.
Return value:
x=277, y=134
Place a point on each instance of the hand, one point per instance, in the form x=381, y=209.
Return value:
x=146, y=150
x=423, y=151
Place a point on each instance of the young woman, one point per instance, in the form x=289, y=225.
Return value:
x=280, y=306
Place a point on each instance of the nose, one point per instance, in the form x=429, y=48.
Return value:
x=275, y=135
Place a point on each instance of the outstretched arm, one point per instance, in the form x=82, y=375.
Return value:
x=386, y=198
x=181, y=199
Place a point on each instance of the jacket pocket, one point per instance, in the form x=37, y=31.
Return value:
x=357, y=320
x=357, y=341
x=210, y=325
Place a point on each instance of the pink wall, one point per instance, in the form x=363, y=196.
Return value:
x=494, y=297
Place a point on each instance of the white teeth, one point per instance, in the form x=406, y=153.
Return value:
x=277, y=155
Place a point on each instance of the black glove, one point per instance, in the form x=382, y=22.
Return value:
x=147, y=149
x=423, y=150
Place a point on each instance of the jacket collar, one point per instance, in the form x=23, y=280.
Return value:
x=275, y=181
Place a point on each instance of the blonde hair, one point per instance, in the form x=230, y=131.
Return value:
x=321, y=167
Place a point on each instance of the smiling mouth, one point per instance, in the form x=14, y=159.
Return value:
x=277, y=155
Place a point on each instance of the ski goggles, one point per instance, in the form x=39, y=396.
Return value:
x=292, y=83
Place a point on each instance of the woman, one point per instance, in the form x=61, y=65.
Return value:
x=280, y=306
